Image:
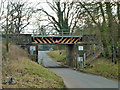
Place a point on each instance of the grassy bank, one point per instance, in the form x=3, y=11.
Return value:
x=57, y=56
x=101, y=66
x=27, y=73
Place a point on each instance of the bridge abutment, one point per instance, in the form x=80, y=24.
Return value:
x=70, y=54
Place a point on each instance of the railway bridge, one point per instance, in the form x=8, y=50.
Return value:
x=64, y=39
x=71, y=41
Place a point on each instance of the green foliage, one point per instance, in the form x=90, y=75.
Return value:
x=57, y=56
x=59, y=47
x=103, y=67
x=102, y=21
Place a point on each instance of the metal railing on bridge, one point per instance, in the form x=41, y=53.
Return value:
x=56, y=34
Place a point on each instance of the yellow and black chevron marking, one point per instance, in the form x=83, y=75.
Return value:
x=72, y=40
x=60, y=40
x=39, y=40
x=64, y=40
x=52, y=40
x=77, y=40
x=35, y=41
x=68, y=40
x=43, y=40
x=47, y=40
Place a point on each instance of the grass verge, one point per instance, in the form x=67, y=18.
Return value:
x=27, y=73
x=103, y=67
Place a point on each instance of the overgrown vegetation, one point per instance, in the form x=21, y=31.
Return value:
x=26, y=73
x=102, y=67
x=103, y=20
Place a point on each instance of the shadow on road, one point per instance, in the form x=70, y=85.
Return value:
x=55, y=67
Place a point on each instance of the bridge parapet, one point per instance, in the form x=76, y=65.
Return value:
x=55, y=34
x=24, y=39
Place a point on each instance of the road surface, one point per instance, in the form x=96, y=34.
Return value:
x=75, y=79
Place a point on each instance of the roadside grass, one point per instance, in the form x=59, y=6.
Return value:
x=101, y=66
x=56, y=56
x=27, y=73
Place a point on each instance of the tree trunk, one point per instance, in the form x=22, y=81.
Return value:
x=7, y=43
x=6, y=30
x=111, y=43
x=118, y=14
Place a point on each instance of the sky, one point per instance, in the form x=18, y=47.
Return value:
x=45, y=6
x=34, y=3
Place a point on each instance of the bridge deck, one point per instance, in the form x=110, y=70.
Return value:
x=56, y=39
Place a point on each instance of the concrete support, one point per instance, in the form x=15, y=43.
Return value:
x=36, y=53
x=70, y=54
x=76, y=55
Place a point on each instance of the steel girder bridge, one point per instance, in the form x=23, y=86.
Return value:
x=59, y=38
x=56, y=38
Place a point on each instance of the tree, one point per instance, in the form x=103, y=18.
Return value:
x=6, y=28
x=65, y=19
x=104, y=19
x=118, y=15
x=20, y=15
x=15, y=18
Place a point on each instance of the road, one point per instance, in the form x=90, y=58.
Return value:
x=75, y=79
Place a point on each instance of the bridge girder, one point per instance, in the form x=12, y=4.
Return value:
x=56, y=39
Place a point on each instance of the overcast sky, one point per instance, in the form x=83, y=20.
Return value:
x=34, y=3
x=45, y=6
